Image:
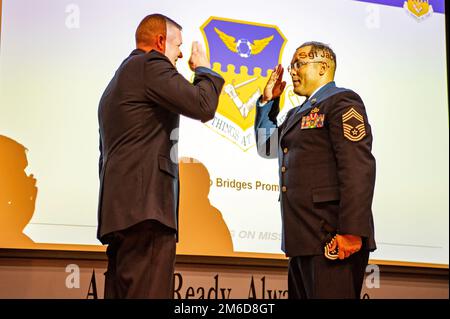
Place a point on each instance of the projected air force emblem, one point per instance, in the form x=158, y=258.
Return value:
x=353, y=125
x=419, y=9
x=244, y=53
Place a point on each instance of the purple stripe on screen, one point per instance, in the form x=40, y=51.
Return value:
x=438, y=5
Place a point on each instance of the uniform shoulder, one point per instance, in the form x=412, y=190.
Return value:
x=344, y=101
x=330, y=93
x=347, y=94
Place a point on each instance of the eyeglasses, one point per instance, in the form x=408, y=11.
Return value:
x=298, y=64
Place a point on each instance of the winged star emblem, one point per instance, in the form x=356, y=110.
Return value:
x=243, y=46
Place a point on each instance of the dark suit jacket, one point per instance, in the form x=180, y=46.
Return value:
x=327, y=177
x=138, y=117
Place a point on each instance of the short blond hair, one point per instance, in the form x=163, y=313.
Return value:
x=151, y=26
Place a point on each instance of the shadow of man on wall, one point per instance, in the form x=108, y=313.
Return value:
x=18, y=193
x=202, y=230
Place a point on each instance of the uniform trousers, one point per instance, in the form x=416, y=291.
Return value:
x=316, y=277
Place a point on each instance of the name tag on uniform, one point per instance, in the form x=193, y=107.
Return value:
x=312, y=120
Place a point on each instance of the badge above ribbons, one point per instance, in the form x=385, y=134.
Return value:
x=244, y=53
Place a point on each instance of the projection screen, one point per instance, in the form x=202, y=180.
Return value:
x=56, y=58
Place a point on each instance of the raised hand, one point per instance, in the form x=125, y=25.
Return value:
x=275, y=86
x=198, y=57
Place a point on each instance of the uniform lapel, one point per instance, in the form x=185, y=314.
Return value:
x=296, y=117
x=322, y=94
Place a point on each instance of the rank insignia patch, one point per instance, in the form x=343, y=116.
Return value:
x=312, y=120
x=353, y=125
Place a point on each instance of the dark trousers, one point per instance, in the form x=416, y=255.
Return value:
x=316, y=277
x=141, y=262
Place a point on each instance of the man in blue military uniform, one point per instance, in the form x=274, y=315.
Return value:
x=327, y=176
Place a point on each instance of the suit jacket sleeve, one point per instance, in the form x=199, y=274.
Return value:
x=355, y=163
x=168, y=88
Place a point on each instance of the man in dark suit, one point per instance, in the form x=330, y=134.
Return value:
x=327, y=176
x=139, y=116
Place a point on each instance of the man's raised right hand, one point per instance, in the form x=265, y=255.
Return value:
x=275, y=86
x=198, y=57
